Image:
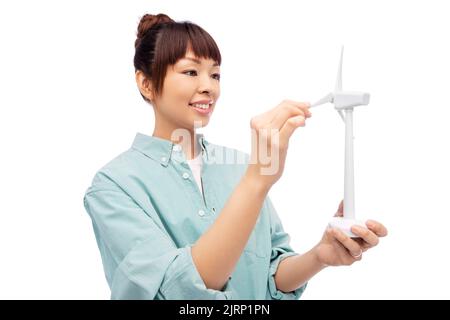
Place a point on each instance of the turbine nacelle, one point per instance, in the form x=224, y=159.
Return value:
x=349, y=99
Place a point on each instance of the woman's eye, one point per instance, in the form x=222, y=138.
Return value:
x=194, y=73
x=191, y=72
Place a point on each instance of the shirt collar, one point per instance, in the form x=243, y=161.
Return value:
x=161, y=150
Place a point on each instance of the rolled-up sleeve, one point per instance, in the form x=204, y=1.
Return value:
x=281, y=249
x=140, y=259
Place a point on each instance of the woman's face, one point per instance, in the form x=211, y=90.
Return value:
x=190, y=92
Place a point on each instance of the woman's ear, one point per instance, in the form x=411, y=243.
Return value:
x=144, y=85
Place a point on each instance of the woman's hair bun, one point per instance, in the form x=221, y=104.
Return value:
x=148, y=21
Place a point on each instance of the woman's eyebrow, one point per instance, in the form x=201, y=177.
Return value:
x=198, y=61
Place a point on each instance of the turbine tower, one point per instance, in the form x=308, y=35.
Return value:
x=345, y=101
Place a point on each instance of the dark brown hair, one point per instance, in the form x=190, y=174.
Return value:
x=161, y=42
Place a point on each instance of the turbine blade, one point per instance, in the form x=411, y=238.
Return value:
x=341, y=114
x=338, y=86
x=326, y=99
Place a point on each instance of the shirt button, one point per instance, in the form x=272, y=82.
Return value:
x=177, y=148
x=163, y=159
x=201, y=213
x=185, y=175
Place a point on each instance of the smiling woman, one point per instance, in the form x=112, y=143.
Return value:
x=172, y=219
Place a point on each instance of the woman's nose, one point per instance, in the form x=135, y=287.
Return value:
x=206, y=85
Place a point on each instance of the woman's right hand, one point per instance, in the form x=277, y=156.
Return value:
x=271, y=132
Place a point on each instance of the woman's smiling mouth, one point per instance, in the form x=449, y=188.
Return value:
x=203, y=107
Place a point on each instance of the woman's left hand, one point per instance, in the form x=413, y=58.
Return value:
x=336, y=248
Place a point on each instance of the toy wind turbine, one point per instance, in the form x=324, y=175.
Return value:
x=346, y=101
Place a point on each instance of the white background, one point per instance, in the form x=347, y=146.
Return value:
x=69, y=104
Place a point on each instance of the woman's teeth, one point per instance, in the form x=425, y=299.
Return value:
x=201, y=106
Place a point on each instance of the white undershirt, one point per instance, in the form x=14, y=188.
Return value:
x=196, y=167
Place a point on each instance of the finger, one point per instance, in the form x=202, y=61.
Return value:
x=378, y=228
x=351, y=245
x=365, y=234
x=289, y=127
x=284, y=113
x=264, y=119
x=364, y=245
x=340, y=211
x=268, y=116
x=304, y=106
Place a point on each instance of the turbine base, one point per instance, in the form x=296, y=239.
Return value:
x=345, y=225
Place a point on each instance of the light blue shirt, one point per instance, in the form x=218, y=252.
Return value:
x=147, y=211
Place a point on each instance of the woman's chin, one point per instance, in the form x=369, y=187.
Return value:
x=200, y=123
